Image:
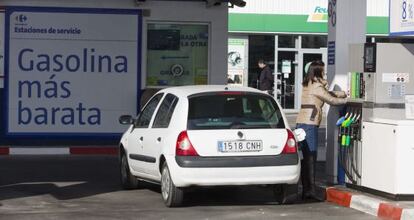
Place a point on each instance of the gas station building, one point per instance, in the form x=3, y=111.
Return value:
x=69, y=69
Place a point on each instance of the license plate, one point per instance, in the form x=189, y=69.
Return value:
x=239, y=146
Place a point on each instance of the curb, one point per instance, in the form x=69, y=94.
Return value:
x=373, y=206
x=56, y=150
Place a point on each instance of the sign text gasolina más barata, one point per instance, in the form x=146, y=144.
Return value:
x=87, y=61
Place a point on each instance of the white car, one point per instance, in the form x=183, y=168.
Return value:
x=208, y=136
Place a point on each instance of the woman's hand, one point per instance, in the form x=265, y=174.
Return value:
x=338, y=94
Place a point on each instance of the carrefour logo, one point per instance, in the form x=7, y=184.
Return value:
x=319, y=14
x=21, y=18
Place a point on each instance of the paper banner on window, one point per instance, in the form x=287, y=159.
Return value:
x=286, y=66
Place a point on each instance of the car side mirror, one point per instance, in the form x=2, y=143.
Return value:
x=126, y=119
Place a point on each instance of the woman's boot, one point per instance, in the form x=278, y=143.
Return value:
x=304, y=178
x=309, y=190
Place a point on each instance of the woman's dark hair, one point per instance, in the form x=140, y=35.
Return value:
x=314, y=73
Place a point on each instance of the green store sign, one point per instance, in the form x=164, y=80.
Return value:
x=312, y=23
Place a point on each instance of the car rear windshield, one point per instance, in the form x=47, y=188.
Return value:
x=231, y=110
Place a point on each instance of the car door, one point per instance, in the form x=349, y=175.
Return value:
x=157, y=134
x=138, y=159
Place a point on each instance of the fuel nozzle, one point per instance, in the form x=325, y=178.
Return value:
x=346, y=138
x=348, y=121
x=341, y=120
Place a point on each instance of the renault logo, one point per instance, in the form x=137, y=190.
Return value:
x=240, y=134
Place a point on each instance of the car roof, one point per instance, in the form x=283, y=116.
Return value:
x=185, y=91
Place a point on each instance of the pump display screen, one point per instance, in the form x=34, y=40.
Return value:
x=369, y=55
x=370, y=58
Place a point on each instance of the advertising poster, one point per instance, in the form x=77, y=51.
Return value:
x=177, y=54
x=237, y=61
x=71, y=71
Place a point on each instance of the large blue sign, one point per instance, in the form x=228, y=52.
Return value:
x=71, y=71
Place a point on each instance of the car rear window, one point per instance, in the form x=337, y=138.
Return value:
x=233, y=110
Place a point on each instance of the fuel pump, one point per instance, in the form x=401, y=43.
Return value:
x=375, y=132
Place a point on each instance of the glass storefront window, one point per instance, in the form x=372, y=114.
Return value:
x=314, y=41
x=287, y=41
x=177, y=54
x=260, y=47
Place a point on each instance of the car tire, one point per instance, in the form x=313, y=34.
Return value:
x=128, y=181
x=282, y=193
x=172, y=195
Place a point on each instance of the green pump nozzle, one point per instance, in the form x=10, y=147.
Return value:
x=347, y=122
x=343, y=140
x=348, y=141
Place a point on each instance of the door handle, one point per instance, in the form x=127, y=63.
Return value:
x=141, y=138
x=159, y=139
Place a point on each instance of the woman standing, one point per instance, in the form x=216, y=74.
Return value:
x=314, y=95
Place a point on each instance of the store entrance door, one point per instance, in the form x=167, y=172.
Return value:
x=287, y=70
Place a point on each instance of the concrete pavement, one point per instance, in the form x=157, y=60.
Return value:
x=87, y=187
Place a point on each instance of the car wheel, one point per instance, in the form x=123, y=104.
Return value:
x=128, y=181
x=281, y=193
x=172, y=195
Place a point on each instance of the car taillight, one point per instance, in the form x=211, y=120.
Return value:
x=291, y=145
x=184, y=146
